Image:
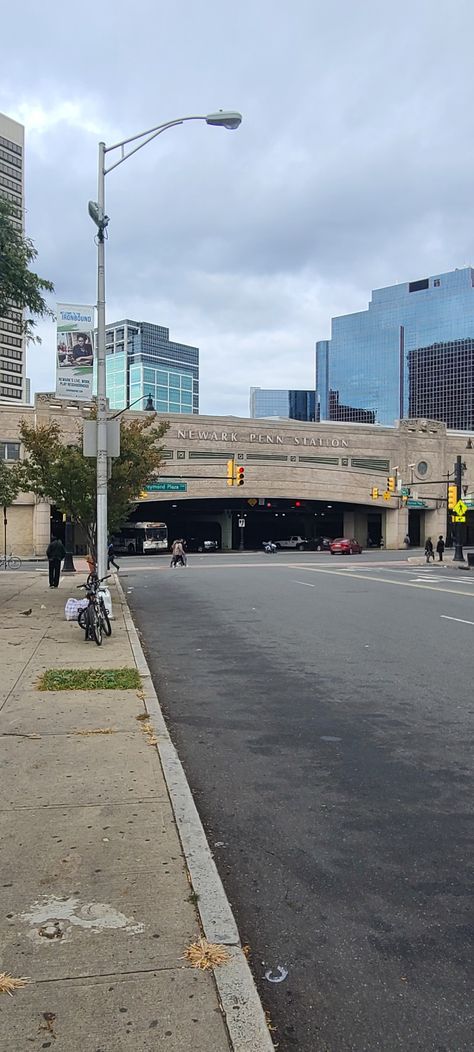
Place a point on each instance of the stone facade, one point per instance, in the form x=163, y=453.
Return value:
x=329, y=461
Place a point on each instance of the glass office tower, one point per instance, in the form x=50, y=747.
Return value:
x=292, y=405
x=410, y=354
x=141, y=360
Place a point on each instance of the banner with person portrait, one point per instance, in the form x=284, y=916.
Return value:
x=74, y=352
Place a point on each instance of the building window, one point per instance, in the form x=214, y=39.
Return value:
x=9, y=450
x=436, y=283
x=422, y=467
x=417, y=286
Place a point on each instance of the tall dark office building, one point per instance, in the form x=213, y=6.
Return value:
x=292, y=405
x=410, y=354
x=141, y=360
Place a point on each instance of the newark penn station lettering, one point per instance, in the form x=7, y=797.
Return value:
x=262, y=439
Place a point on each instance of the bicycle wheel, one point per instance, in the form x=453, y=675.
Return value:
x=82, y=618
x=14, y=562
x=95, y=624
x=105, y=619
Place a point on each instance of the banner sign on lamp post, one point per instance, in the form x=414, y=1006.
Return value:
x=74, y=352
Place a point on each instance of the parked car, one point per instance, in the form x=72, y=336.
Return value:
x=320, y=544
x=343, y=546
x=195, y=544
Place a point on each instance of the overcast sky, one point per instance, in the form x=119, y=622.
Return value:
x=352, y=169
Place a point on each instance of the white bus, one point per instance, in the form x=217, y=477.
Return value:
x=140, y=538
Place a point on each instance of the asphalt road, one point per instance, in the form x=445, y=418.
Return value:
x=322, y=708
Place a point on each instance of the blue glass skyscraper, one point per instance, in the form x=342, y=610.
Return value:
x=410, y=354
x=273, y=402
x=141, y=360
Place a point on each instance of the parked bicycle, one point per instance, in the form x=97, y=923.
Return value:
x=10, y=562
x=94, y=618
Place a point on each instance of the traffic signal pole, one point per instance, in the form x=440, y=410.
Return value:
x=458, y=556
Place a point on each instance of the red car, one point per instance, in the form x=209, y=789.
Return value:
x=342, y=546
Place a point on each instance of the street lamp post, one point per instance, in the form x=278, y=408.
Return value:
x=458, y=556
x=221, y=119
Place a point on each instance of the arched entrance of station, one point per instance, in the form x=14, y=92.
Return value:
x=265, y=519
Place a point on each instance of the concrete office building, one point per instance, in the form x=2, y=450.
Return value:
x=410, y=354
x=14, y=387
x=268, y=403
x=141, y=360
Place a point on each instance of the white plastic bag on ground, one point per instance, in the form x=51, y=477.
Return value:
x=71, y=610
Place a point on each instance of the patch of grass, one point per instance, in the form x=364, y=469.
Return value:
x=89, y=679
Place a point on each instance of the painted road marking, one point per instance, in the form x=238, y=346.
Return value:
x=306, y=584
x=461, y=619
x=359, y=576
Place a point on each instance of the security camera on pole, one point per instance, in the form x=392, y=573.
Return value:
x=221, y=119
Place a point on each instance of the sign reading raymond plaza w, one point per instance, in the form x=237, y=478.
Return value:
x=75, y=352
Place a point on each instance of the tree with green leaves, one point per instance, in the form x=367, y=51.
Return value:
x=63, y=475
x=10, y=485
x=20, y=287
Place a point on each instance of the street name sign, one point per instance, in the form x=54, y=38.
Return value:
x=167, y=487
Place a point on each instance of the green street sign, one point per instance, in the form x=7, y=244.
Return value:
x=412, y=503
x=405, y=491
x=167, y=487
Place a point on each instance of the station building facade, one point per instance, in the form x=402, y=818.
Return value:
x=310, y=479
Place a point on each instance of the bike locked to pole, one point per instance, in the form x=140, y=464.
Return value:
x=94, y=618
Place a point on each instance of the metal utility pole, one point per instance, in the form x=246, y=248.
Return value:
x=458, y=556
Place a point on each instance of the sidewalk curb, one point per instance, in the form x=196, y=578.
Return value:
x=240, y=1002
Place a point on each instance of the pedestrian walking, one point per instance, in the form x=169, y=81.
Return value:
x=406, y=541
x=111, y=556
x=440, y=547
x=178, y=555
x=55, y=553
x=429, y=551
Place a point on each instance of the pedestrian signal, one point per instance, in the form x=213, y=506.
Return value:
x=240, y=476
x=391, y=483
x=374, y=492
x=452, y=496
x=230, y=472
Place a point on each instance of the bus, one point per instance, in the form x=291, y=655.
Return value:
x=140, y=538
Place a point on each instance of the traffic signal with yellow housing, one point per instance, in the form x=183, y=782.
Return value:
x=374, y=492
x=391, y=483
x=240, y=476
x=452, y=496
x=230, y=472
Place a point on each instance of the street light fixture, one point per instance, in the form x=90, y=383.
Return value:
x=221, y=119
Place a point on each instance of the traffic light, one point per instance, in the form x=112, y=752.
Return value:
x=240, y=476
x=374, y=492
x=230, y=472
x=391, y=483
x=452, y=496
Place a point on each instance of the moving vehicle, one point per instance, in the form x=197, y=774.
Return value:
x=140, y=538
x=343, y=546
x=195, y=544
x=320, y=544
x=295, y=542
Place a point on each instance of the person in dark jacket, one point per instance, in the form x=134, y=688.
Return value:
x=55, y=553
x=429, y=552
x=111, y=556
x=440, y=548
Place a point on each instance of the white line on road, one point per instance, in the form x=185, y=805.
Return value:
x=461, y=619
x=305, y=584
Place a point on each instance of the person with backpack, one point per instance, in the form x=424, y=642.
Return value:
x=55, y=553
x=440, y=548
x=429, y=551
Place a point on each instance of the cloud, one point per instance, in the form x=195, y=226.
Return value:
x=351, y=170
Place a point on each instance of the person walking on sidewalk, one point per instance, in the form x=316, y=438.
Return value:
x=111, y=557
x=55, y=553
x=429, y=552
x=440, y=547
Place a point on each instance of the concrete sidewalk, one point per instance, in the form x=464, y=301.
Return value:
x=99, y=888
